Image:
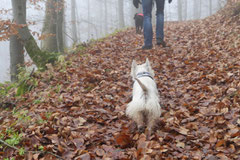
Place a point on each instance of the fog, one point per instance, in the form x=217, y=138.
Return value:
x=90, y=20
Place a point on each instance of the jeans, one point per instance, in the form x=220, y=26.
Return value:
x=147, y=21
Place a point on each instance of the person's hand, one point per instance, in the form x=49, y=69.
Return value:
x=136, y=3
x=169, y=1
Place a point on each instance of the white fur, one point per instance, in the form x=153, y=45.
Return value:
x=144, y=104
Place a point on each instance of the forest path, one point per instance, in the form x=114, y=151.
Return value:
x=198, y=80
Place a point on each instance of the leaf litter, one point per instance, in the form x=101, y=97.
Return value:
x=82, y=105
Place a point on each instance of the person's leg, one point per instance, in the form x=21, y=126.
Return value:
x=147, y=22
x=160, y=21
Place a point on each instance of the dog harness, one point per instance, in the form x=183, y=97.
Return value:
x=144, y=74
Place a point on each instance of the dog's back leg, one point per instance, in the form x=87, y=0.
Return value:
x=140, y=121
x=151, y=124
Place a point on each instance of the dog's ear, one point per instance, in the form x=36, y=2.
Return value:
x=150, y=70
x=133, y=69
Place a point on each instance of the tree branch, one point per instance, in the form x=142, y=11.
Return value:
x=44, y=152
x=6, y=144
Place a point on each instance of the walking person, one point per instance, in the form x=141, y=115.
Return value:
x=147, y=22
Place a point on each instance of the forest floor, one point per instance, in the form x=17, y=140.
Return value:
x=76, y=109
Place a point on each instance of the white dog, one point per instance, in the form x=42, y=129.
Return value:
x=144, y=108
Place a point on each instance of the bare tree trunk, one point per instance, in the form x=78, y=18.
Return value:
x=16, y=57
x=53, y=26
x=64, y=30
x=60, y=15
x=200, y=9
x=88, y=19
x=121, y=14
x=16, y=46
x=49, y=27
x=210, y=7
x=195, y=9
x=106, y=17
x=74, y=20
x=101, y=17
x=78, y=26
x=180, y=17
x=185, y=9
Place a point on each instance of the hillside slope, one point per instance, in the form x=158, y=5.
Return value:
x=77, y=109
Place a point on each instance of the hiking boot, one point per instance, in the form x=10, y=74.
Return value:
x=161, y=42
x=146, y=47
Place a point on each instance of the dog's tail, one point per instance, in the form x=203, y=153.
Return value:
x=144, y=88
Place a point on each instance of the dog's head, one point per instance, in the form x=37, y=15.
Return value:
x=136, y=69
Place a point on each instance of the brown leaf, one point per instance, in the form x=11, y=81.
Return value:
x=123, y=140
x=100, y=152
x=183, y=131
x=180, y=145
x=61, y=149
x=212, y=138
x=220, y=143
x=85, y=156
x=79, y=142
x=222, y=156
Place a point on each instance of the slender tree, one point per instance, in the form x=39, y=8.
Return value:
x=73, y=21
x=185, y=10
x=196, y=12
x=121, y=13
x=200, y=9
x=180, y=11
x=210, y=7
x=106, y=17
x=64, y=31
x=101, y=17
x=53, y=26
x=88, y=17
x=49, y=43
x=60, y=25
x=16, y=46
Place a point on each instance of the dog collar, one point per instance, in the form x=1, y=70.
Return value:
x=144, y=74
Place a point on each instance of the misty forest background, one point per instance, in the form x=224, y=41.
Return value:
x=93, y=19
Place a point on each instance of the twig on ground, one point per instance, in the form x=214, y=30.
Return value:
x=5, y=143
x=43, y=152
